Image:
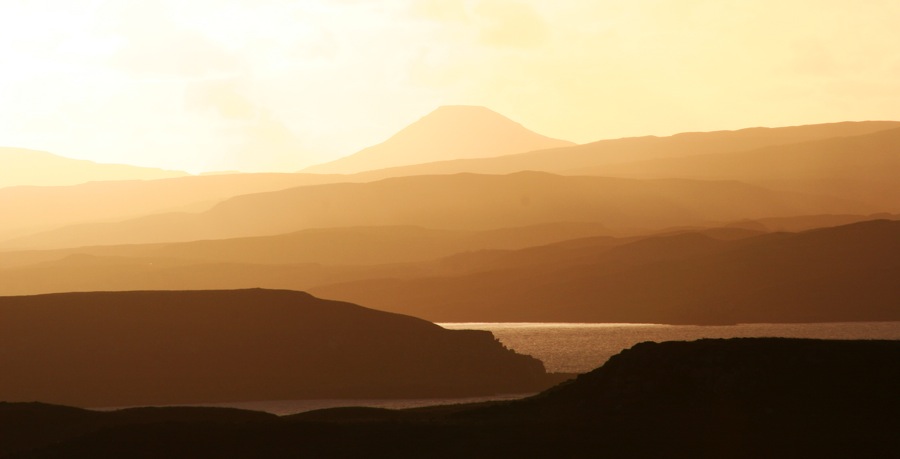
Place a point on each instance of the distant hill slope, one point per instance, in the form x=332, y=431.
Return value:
x=138, y=348
x=315, y=258
x=460, y=202
x=19, y=166
x=874, y=156
x=845, y=273
x=631, y=149
x=359, y=245
x=295, y=261
x=449, y=132
x=864, y=167
x=736, y=398
x=28, y=209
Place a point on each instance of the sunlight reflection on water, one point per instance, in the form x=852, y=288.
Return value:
x=283, y=407
x=578, y=348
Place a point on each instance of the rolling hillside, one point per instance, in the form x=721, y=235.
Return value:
x=19, y=166
x=31, y=209
x=455, y=202
x=863, y=168
x=580, y=158
x=845, y=273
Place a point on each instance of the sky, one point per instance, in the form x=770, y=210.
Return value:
x=206, y=85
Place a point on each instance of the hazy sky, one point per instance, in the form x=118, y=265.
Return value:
x=281, y=84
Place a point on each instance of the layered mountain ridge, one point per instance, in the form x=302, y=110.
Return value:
x=455, y=202
x=19, y=166
x=693, y=278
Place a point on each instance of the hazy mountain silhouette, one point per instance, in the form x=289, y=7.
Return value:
x=845, y=273
x=581, y=251
x=459, y=202
x=136, y=348
x=737, y=398
x=30, y=209
x=296, y=261
x=570, y=160
x=863, y=168
x=19, y=166
x=34, y=209
x=473, y=278
x=336, y=246
x=89, y=273
x=807, y=222
x=449, y=132
x=871, y=156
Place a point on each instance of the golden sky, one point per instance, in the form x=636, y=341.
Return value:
x=281, y=84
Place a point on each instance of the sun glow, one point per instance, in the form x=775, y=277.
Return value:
x=277, y=85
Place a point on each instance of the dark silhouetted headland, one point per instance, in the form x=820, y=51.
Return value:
x=150, y=348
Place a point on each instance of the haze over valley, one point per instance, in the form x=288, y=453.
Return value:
x=782, y=225
x=390, y=229
x=763, y=216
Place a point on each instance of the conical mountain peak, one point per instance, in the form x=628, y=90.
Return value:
x=449, y=132
x=469, y=110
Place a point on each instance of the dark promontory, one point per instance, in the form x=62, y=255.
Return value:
x=182, y=347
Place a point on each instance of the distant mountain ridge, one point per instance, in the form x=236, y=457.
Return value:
x=319, y=258
x=295, y=261
x=578, y=158
x=19, y=166
x=336, y=246
x=28, y=209
x=871, y=156
x=449, y=132
x=689, y=155
x=837, y=274
x=458, y=202
x=863, y=167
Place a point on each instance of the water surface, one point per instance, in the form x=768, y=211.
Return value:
x=579, y=347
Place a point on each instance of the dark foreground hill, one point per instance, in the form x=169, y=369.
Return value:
x=143, y=348
x=738, y=398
